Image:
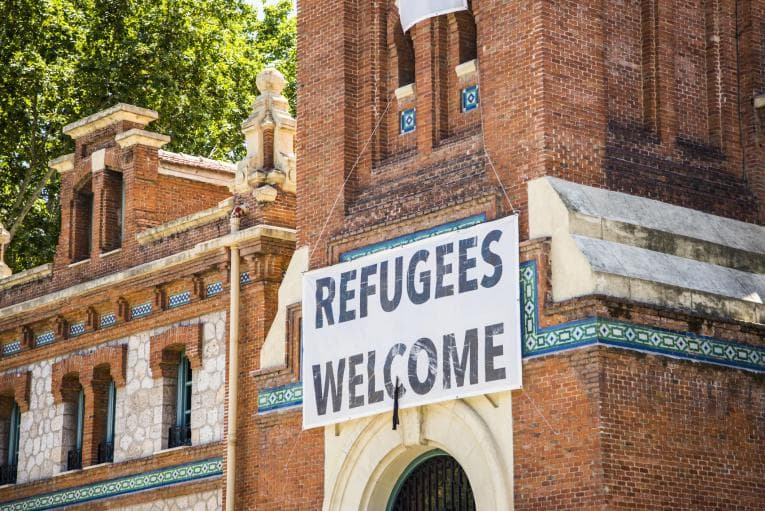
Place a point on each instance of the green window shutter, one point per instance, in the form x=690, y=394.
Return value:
x=110, y=412
x=80, y=419
x=13, y=435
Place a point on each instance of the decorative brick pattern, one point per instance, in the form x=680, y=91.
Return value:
x=17, y=385
x=178, y=338
x=121, y=486
x=84, y=366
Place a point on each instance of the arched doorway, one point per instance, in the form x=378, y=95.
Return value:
x=433, y=482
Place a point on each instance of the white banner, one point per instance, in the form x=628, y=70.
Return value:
x=412, y=11
x=441, y=316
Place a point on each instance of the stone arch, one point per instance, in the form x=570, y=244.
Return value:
x=477, y=433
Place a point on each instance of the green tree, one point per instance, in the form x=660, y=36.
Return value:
x=194, y=61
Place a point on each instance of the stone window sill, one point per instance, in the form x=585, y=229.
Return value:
x=79, y=263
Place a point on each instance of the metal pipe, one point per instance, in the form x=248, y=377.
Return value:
x=233, y=365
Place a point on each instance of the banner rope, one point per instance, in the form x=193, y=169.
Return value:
x=348, y=177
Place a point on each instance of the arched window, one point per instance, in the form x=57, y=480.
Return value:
x=433, y=482
x=10, y=423
x=82, y=221
x=73, y=398
x=180, y=432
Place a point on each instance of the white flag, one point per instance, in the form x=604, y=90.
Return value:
x=413, y=11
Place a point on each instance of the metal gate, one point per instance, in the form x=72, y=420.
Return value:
x=435, y=483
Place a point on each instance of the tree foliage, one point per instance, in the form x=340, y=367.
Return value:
x=194, y=61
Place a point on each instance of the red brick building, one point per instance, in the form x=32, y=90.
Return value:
x=627, y=136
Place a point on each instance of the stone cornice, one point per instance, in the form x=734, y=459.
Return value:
x=201, y=249
x=141, y=137
x=63, y=164
x=119, y=112
x=23, y=277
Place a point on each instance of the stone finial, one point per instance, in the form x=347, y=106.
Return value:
x=5, y=238
x=270, y=139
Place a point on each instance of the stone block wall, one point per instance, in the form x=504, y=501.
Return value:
x=138, y=432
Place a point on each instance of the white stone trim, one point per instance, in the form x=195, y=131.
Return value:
x=364, y=459
x=98, y=160
x=613, y=244
x=759, y=101
x=160, y=265
x=142, y=137
x=201, y=175
x=406, y=92
x=62, y=164
x=23, y=277
x=79, y=263
x=119, y=112
x=222, y=210
x=111, y=252
x=467, y=68
x=273, y=353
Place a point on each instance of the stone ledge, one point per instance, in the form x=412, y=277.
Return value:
x=23, y=277
x=251, y=234
x=186, y=223
x=624, y=246
x=142, y=137
x=62, y=164
x=119, y=112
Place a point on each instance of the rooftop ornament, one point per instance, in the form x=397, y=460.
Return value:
x=5, y=238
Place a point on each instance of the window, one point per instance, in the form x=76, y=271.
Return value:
x=112, y=211
x=433, y=482
x=82, y=222
x=180, y=432
x=74, y=454
x=73, y=401
x=106, y=447
x=10, y=429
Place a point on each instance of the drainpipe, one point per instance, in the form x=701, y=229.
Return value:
x=233, y=363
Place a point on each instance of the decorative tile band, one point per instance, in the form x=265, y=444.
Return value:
x=45, y=338
x=115, y=487
x=411, y=238
x=77, y=329
x=140, y=311
x=280, y=397
x=244, y=278
x=179, y=299
x=11, y=348
x=214, y=289
x=107, y=320
x=684, y=345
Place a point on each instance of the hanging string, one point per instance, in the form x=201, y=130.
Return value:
x=348, y=177
x=486, y=150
